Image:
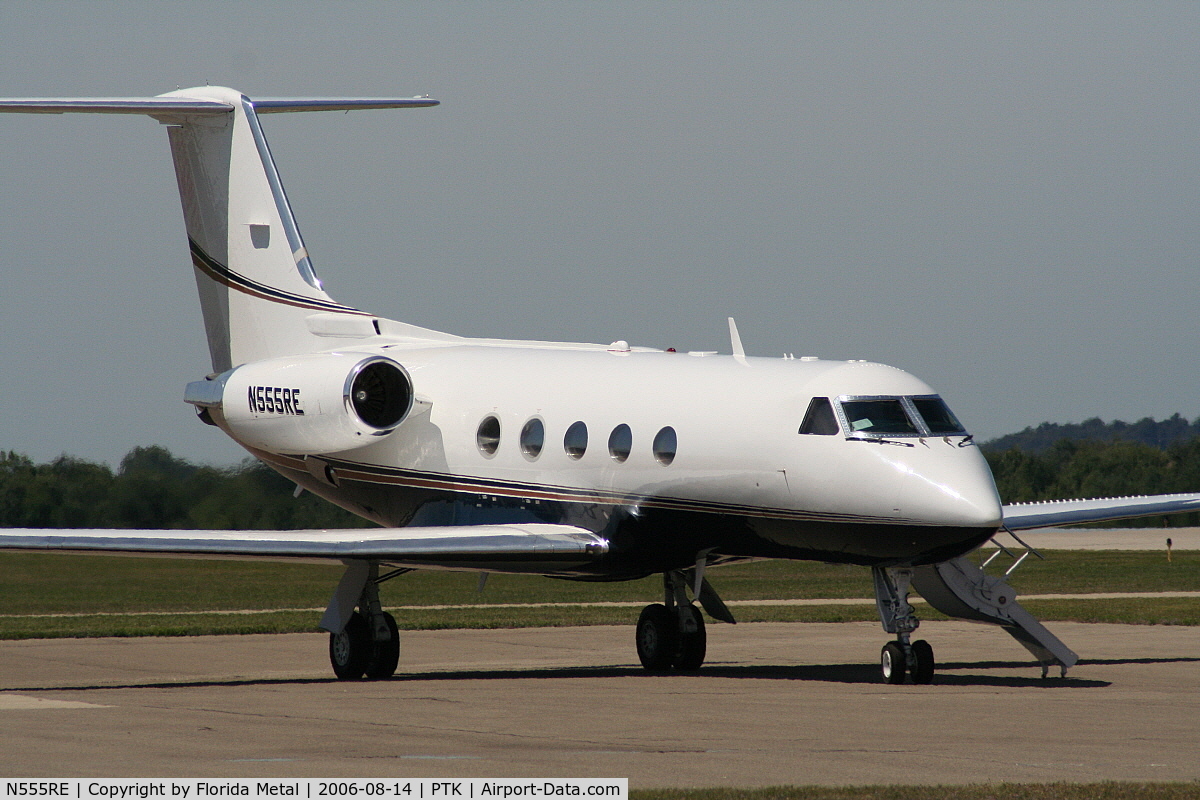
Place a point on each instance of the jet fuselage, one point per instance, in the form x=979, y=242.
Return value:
x=665, y=454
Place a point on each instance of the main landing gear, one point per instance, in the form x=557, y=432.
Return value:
x=368, y=645
x=670, y=635
x=671, y=638
x=365, y=650
x=902, y=656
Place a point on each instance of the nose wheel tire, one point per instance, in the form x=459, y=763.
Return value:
x=923, y=663
x=892, y=663
x=919, y=663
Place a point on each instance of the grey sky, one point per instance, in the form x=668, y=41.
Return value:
x=998, y=197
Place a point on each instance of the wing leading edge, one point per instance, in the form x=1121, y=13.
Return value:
x=1055, y=513
x=505, y=548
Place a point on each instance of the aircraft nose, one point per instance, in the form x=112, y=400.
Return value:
x=958, y=491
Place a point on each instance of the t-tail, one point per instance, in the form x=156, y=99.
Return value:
x=259, y=292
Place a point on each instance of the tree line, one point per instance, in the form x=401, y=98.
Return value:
x=1161, y=434
x=1073, y=469
x=154, y=489
x=1093, y=458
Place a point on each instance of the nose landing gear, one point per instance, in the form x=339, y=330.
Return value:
x=916, y=660
x=900, y=657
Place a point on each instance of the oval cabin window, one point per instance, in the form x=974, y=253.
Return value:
x=575, y=441
x=620, y=443
x=665, y=445
x=533, y=436
x=488, y=436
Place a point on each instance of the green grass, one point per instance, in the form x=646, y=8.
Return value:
x=1132, y=611
x=1074, y=571
x=53, y=583
x=168, y=624
x=999, y=791
x=159, y=590
x=1158, y=611
x=42, y=583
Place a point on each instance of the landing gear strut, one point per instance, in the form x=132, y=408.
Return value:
x=901, y=656
x=369, y=644
x=671, y=634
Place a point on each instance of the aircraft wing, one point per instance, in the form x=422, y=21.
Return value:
x=532, y=547
x=1055, y=513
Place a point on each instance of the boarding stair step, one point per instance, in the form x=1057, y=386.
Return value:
x=959, y=588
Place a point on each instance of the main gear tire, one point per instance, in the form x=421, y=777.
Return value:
x=657, y=638
x=692, y=643
x=386, y=654
x=351, y=650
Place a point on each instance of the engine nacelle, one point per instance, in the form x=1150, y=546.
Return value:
x=319, y=403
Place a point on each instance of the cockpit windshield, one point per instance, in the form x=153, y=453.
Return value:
x=937, y=416
x=878, y=416
x=897, y=417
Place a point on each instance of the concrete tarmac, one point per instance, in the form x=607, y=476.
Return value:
x=776, y=703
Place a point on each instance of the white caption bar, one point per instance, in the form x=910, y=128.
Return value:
x=315, y=789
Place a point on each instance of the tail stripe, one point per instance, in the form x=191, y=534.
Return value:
x=227, y=277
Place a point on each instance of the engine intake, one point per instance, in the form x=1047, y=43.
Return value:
x=379, y=392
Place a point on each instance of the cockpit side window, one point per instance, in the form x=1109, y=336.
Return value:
x=937, y=415
x=820, y=419
x=882, y=416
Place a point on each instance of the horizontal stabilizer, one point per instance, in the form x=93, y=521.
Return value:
x=276, y=105
x=1055, y=513
x=176, y=105
x=112, y=105
x=531, y=547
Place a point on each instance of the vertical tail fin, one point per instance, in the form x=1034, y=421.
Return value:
x=256, y=282
x=257, y=285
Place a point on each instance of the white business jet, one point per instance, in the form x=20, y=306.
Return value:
x=590, y=462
